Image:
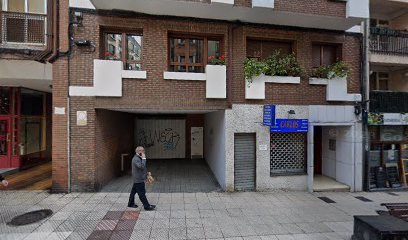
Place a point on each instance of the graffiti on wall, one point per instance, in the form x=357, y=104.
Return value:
x=161, y=138
x=167, y=138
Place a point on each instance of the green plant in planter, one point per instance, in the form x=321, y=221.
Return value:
x=339, y=69
x=275, y=65
x=253, y=68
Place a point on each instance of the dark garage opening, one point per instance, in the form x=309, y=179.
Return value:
x=174, y=146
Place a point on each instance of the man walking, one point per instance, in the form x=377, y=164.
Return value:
x=139, y=176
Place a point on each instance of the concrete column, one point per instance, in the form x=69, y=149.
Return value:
x=310, y=158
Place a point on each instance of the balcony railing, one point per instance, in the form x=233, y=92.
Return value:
x=388, y=41
x=388, y=102
x=22, y=30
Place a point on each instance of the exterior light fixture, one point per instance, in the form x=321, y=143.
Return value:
x=78, y=17
x=291, y=114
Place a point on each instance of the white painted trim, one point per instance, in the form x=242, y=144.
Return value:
x=134, y=74
x=231, y=2
x=184, y=76
x=335, y=124
x=281, y=79
x=318, y=81
x=81, y=91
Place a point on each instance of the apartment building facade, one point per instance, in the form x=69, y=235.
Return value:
x=139, y=73
x=387, y=86
x=27, y=46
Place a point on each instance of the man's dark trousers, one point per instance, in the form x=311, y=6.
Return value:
x=140, y=189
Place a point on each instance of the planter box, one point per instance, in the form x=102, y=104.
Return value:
x=230, y=2
x=263, y=3
x=184, y=76
x=107, y=79
x=256, y=90
x=216, y=83
x=336, y=89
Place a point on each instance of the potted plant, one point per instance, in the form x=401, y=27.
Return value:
x=275, y=65
x=336, y=70
x=214, y=60
x=109, y=56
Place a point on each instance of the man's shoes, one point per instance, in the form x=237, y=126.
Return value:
x=150, y=208
x=133, y=206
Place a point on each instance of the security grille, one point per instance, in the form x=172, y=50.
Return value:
x=28, y=28
x=288, y=153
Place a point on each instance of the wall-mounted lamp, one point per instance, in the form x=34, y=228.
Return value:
x=78, y=17
x=291, y=114
x=357, y=110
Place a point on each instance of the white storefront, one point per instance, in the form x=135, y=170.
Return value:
x=341, y=163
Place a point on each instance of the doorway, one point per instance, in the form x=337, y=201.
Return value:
x=5, y=143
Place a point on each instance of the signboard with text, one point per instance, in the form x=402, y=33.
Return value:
x=290, y=125
x=269, y=115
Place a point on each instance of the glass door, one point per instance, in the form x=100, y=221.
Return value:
x=5, y=140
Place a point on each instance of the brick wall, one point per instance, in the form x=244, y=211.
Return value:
x=59, y=126
x=157, y=93
x=316, y=7
x=303, y=94
x=83, y=160
x=114, y=136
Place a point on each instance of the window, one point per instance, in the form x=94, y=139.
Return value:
x=263, y=49
x=124, y=47
x=190, y=54
x=325, y=54
x=26, y=6
x=379, y=81
x=24, y=21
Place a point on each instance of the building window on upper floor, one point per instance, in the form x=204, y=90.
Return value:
x=125, y=47
x=378, y=23
x=190, y=54
x=325, y=54
x=23, y=21
x=379, y=81
x=262, y=49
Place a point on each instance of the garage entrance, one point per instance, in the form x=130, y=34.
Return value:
x=175, y=150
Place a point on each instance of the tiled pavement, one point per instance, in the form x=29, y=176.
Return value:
x=273, y=215
x=171, y=176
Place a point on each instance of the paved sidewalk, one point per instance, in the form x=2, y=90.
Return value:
x=275, y=215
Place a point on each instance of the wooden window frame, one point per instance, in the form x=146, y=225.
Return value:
x=339, y=51
x=124, y=45
x=188, y=37
x=293, y=45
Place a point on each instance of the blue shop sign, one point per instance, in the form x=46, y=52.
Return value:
x=269, y=115
x=290, y=125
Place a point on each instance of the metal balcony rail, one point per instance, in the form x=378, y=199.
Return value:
x=22, y=29
x=388, y=41
x=388, y=102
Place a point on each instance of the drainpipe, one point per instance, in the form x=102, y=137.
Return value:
x=55, y=51
x=365, y=104
x=230, y=53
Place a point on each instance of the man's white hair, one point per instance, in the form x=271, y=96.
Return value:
x=139, y=149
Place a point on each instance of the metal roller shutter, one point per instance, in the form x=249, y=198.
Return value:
x=244, y=163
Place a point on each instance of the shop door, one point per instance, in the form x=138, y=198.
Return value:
x=5, y=142
x=317, y=150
